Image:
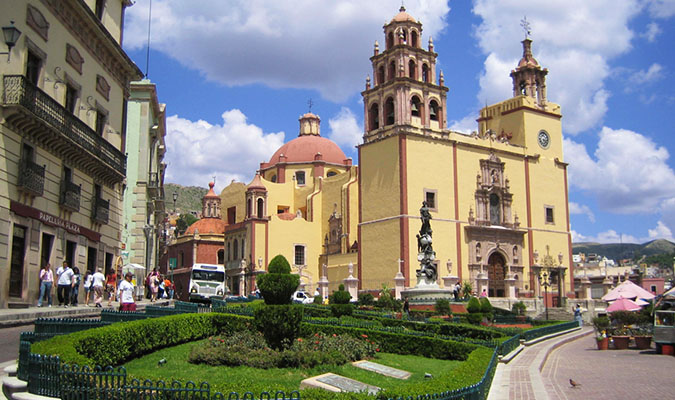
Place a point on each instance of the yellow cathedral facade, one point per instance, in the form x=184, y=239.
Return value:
x=497, y=197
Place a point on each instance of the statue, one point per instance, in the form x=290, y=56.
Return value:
x=426, y=254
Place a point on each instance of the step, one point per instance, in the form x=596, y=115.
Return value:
x=10, y=370
x=30, y=396
x=337, y=383
x=12, y=385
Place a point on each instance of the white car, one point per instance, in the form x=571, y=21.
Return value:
x=302, y=297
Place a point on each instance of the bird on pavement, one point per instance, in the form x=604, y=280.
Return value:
x=574, y=384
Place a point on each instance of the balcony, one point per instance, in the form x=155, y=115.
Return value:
x=100, y=211
x=160, y=205
x=36, y=115
x=153, y=184
x=70, y=196
x=31, y=177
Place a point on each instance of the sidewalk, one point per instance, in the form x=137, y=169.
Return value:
x=26, y=316
x=521, y=378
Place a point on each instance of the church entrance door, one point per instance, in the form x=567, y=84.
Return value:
x=496, y=275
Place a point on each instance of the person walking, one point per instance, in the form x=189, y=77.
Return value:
x=577, y=314
x=88, y=279
x=125, y=293
x=46, y=284
x=111, y=286
x=154, y=285
x=168, y=286
x=406, y=307
x=65, y=281
x=75, y=286
x=97, y=286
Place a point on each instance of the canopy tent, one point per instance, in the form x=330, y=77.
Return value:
x=628, y=290
x=670, y=294
x=623, y=304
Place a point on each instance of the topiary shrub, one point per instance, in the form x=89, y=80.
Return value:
x=442, y=307
x=279, y=265
x=339, y=303
x=474, y=318
x=473, y=306
x=318, y=300
x=485, y=306
x=366, y=299
x=277, y=286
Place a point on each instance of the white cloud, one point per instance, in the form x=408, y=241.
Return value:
x=465, y=125
x=344, y=129
x=661, y=231
x=309, y=44
x=653, y=30
x=661, y=8
x=609, y=236
x=576, y=208
x=642, y=77
x=628, y=173
x=574, y=39
x=197, y=150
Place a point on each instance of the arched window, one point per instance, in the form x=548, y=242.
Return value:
x=229, y=252
x=221, y=256
x=274, y=178
x=523, y=88
x=413, y=38
x=235, y=246
x=404, y=36
x=243, y=245
x=415, y=106
x=261, y=206
x=331, y=173
x=380, y=75
x=495, y=210
x=392, y=70
x=390, y=40
x=249, y=208
x=181, y=259
x=389, y=111
x=374, y=116
x=425, y=73
x=412, y=69
x=433, y=110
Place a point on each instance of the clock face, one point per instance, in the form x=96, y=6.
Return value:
x=544, y=140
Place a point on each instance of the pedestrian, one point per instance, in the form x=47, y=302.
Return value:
x=577, y=314
x=483, y=293
x=111, y=286
x=75, y=286
x=406, y=307
x=148, y=291
x=455, y=291
x=125, y=293
x=46, y=284
x=154, y=285
x=160, y=288
x=88, y=279
x=64, y=281
x=168, y=287
x=97, y=286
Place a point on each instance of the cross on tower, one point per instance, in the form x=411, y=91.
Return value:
x=310, y=104
x=526, y=26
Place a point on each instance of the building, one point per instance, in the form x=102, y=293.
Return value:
x=144, y=204
x=62, y=120
x=497, y=197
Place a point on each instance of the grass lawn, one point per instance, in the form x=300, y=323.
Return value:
x=242, y=379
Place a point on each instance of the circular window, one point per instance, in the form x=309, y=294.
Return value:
x=543, y=139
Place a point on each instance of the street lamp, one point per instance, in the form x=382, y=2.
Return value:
x=147, y=229
x=175, y=197
x=545, y=281
x=11, y=34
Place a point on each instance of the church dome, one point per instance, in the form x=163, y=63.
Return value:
x=403, y=16
x=207, y=226
x=304, y=149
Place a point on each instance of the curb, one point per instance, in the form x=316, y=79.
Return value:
x=560, y=343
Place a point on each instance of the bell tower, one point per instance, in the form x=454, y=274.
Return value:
x=529, y=79
x=404, y=90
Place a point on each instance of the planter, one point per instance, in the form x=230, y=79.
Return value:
x=621, y=342
x=643, y=342
x=603, y=344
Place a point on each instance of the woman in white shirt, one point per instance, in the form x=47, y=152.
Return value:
x=125, y=292
x=97, y=286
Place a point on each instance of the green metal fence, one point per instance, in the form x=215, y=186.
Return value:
x=509, y=345
x=66, y=325
x=547, y=330
x=122, y=316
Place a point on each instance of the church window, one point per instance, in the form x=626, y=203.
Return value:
x=413, y=38
x=392, y=70
x=300, y=177
x=389, y=111
x=433, y=110
x=243, y=245
x=425, y=73
x=249, y=208
x=221, y=256
x=430, y=198
x=331, y=173
x=235, y=247
x=495, y=210
x=231, y=215
x=273, y=178
x=403, y=36
x=261, y=208
x=374, y=116
x=412, y=69
x=390, y=40
x=380, y=75
x=523, y=88
x=282, y=209
x=299, y=254
x=415, y=106
x=549, y=214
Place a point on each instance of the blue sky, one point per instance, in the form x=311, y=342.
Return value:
x=237, y=74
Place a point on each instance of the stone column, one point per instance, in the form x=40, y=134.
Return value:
x=586, y=288
x=481, y=283
x=607, y=284
x=323, y=283
x=351, y=283
x=242, y=283
x=510, y=284
x=399, y=284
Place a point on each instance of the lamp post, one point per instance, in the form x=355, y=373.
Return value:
x=175, y=197
x=147, y=229
x=11, y=34
x=545, y=280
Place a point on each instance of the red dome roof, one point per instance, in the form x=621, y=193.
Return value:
x=207, y=226
x=304, y=149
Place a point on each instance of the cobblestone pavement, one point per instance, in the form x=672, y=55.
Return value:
x=611, y=374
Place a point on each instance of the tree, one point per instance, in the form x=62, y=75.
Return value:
x=184, y=221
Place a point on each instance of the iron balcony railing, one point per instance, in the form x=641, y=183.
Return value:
x=100, y=211
x=31, y=177
x=19, y=91
x=70, y=196
x=153, y=180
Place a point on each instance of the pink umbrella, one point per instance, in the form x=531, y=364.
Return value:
x=622, y=304
x=628, y=290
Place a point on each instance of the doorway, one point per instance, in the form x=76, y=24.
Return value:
x=91, y=259
x=496, y=275
x=46, y=252
x=18, y=254
x=70, y=252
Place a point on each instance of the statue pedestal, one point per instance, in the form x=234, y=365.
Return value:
x=242, y=284
x=607, y=284
x=352, y=286
x=323, y=287
x=450, y=281
x=586, y=288
x=399, y=285
x=255, y=277
x=482, y=283
x=426, y=292
x=510, y=285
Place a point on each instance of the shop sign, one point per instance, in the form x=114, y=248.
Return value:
x=51, y=220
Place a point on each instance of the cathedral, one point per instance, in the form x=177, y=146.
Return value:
x=496, y=198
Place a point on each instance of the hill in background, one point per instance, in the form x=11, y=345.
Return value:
x=618, y=251
x=189, y=197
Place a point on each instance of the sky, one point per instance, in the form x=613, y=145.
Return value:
x=236, y=75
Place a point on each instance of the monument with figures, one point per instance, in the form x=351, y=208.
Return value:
x=427, y=288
